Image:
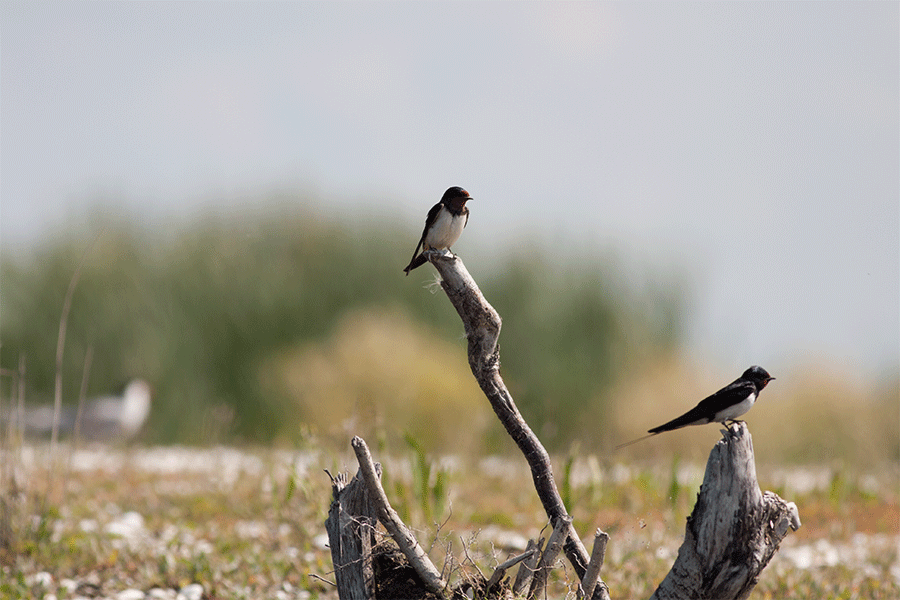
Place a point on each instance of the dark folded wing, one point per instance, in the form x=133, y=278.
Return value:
x=733, y=393
x=691, y=417
x=429, y=220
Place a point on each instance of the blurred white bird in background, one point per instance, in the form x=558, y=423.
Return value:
x=101, y=418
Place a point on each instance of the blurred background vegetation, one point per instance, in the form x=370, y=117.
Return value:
x=281, y=324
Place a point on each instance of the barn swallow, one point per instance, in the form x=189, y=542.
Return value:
x=727, y=404
x=443, y=225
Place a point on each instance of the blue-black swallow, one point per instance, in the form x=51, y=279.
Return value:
x=443, y=225
x=727, y=404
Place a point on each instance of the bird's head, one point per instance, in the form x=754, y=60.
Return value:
x=455, y=198
x=758, y=375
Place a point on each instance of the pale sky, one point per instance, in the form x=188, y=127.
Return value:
x=754, y=146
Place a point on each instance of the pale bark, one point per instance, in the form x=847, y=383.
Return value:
x=402, y=535
x=592, y=575
x=548, y=557
x=734, y=529
x=482, y=326
x=527, y=568
x=500, y=571
x=350, y=526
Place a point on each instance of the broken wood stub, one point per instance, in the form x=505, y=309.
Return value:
x=500, y=571
x=734, y=529
x=351, y=534
x=527, y=568
x=592, y=575
x=548, y=557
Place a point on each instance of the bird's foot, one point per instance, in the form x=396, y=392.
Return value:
x=445, y=253
x=729, y=423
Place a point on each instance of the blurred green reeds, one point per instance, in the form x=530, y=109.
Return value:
x=281, y=324
x=276, y=323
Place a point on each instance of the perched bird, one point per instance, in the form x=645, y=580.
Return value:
x=727, y=404
x=443, y=225
x=101, y=418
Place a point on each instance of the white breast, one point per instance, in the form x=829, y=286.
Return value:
x=733, y=412
x=446, y=230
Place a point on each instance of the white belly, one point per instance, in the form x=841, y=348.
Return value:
x=733, y=412
x=445, y=231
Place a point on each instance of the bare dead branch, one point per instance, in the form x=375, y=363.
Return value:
x=404, y=538
x=482, y=327
x=548, y=558
x=500, y=571
x=322, y=579
x=469, y=561
x=731, y=535
x=589, y=581
x=526, y=570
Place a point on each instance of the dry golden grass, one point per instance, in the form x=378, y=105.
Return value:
x=380, y=371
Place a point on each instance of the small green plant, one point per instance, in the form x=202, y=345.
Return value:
x=567, y=499
x=674, y=488
x=839, y=486
x=430, y=496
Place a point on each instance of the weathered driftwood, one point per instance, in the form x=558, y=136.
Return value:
x=500, y=571
x=734, y=529
x=548, y=557
x=589, y=581
x=404, y=538
x=526, y=570
x=351, y=528
x=482, y=327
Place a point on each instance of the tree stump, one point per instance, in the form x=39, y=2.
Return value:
x=734, y=529
x=351, y=536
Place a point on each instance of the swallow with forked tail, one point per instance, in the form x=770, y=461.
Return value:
x=727, y=404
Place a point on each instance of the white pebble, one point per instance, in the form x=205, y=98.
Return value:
x=70, y=585
x=193, y=591
x=130, y=594
x=129, y=525
x=88, y=525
